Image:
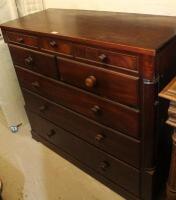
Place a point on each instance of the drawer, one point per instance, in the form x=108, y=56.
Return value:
x=104, y=164
x=116, y=86
x=22, y=39
x=102, y=137
x=39, y=62
x=116, y=59
x=114, y=115
x=56, y=45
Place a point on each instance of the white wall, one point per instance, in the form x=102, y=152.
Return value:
x=11, y=101
x=163, y=7
x=8, y=10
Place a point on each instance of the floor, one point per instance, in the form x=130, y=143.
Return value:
x=30, y=171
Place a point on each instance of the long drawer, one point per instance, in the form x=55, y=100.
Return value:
x=111, y=114
x=35, y=61
x=104, y=164
x=116, y=86
x=113, y=142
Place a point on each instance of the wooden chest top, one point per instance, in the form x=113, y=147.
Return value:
x=134, y=32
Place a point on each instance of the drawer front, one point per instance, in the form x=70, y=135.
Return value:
x=113, y=115
x=109, y=84
x=55, y=45
x=22, y=39
x=105, y=57
x=99, y=161
x=102, y=137
x=39, y=62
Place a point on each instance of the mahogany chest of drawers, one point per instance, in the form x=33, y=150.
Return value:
x=90, y=81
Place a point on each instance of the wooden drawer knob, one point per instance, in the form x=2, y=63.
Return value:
x=36, y=84
x=99, y=137
x=53, y=43
x=104, y=165
x=96, y=109
x=28, y=61
x=20, y=40
x=102, y=58
x=90, y=81
x=51, y=133
x=42, y=108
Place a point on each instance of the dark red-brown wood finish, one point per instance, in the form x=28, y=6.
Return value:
x=38, y=62
x=103, y=82
x=98, y=160
x=94, y=133
x=90, y=82
x=109, y=113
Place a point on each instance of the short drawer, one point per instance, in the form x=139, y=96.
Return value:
x=104, y=164
x=116, y=86
x=39, y=62
x=113, y=142
x=22, y=39
x=114, y=115
x=105, y=57
x=56, y=45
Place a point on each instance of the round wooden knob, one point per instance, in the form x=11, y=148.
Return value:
x=104, y=165
x=42, y=108
x=96, y=109
x=51, y=133
x=53, y=43
x=36, y=84
x=28, y=61
x=90, y=81
x=102, y=58
x=99, y=137
x=20, y=40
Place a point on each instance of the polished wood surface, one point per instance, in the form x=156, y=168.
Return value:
x=138, y=31
x=90, y=81
x=169, y=93
x=38, y=62
x=22, y=39
x=114, y=115
x=116, y=86
x=107, y=58
x=111, y=141
x=101, y=162
x=56, y=45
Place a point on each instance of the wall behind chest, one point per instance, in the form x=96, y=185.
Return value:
x=135, y=6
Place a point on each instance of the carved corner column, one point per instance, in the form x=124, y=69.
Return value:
x=149, y=100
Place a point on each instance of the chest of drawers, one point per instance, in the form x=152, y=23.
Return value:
x=90, y=81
